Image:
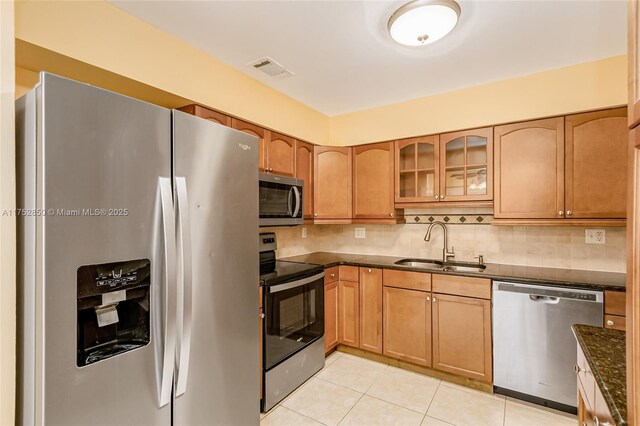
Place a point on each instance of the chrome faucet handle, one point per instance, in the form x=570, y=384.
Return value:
x=480, y=259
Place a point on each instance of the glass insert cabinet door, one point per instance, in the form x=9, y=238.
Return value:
x=466, y=165
x=417, y=174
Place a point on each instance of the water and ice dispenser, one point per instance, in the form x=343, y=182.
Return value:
x=113, y=309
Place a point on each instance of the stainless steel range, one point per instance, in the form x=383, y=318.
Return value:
x=293, y=343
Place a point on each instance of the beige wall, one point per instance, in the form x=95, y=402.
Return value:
x=7, y=224
x=582, y=87
x=553, y=247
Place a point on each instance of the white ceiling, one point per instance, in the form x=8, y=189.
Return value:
x=344, y=59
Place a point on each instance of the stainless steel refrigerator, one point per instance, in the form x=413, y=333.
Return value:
x=138, y=263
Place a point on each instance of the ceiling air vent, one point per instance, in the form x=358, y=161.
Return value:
x=271, y=68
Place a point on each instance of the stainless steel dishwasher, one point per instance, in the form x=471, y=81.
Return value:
x=534, y=351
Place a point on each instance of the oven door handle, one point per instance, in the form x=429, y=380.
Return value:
x=294, y=284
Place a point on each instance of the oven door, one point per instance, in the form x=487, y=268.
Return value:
x=280, y=200
x=294, y=317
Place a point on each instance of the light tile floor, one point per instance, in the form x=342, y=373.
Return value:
x=355, y=391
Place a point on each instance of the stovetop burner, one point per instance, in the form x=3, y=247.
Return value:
x=274, y=271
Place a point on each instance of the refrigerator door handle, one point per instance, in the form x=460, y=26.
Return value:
x=185, y=286
x=166, y=304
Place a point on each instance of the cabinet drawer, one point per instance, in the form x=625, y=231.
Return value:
x=614, y=302
x=462, y=286
x=331, y=275
x=615, y=321
x=405, y=279
x=586, y=380
x=349, y=273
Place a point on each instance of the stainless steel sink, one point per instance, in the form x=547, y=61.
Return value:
x=420, y=263
x=464, y=267
x=438, y=265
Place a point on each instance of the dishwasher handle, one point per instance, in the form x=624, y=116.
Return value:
x=545, y=299
x=547, y=294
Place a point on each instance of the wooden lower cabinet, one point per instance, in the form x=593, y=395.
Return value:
x=407, y=325
x=348, y=313
x=330, y=316
x=371, y=309
x=462, y=336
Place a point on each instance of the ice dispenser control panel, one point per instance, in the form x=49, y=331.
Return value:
x=113, y=309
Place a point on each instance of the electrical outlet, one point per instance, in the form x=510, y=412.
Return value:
x=595, y=236
x=304, y=232
x=360, y=233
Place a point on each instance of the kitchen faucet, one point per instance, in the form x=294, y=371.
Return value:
x=446, y=254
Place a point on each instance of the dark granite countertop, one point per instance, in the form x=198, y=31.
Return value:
x=593, y=280
x=604, y=350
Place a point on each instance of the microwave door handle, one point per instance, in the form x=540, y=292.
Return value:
x=290, y=202
x=297, y=209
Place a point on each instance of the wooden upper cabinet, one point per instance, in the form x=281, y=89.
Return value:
x=348, y=313
x=466, y=165
x=281, y=155
x=633, y=56
x=462, y=336
x=304, y=171
x=596, y=153
x=529, y=170
x=371, y=309
x=332, y=182
x=407, y=325
x=207, y=114
x=373, y=187
x=416, y=171
x=262, y=135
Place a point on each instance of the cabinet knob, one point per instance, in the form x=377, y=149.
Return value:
x=560, y=213
x=569, y=212
x=436, y=197
x=315, y=214
x=577, y=369
x=609, y=322
x=434, y=299
x=442, y=197
x=262, y=316
x=428, y=298
x=369, y=270
x=390, y=214
x=333, y=275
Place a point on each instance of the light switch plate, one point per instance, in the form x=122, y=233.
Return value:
x=304, y=232
x=595, y=236
x=360, y=233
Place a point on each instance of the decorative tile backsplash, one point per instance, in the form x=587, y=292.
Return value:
x=554, y=247
x=450, y=219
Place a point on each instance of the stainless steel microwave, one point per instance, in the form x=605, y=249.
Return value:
x=280, y=200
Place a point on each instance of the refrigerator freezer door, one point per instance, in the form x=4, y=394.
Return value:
x=98, y=158
x=220, y=168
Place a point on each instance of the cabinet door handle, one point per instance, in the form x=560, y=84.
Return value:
x=391, y=214
x=333, y=275
x=369, y=270
x=428, y=298
x=609, y=322
x=262, y=316
x=560, y=213
x=434, y=299
x=569, y=212
x=315, y=214
x=442, y=197
x=436, y=197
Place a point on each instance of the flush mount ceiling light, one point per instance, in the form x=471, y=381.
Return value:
x=423, y=21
